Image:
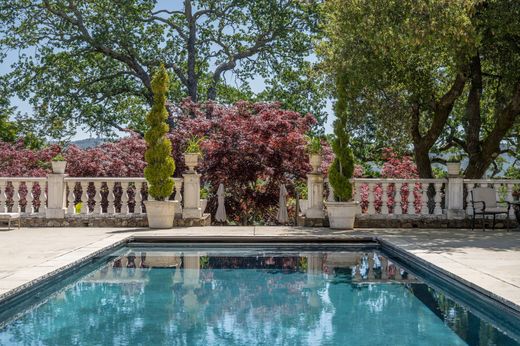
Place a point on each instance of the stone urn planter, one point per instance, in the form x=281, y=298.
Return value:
x=342, y=214
x=160, y=214
x=304, y=204
x=203, y=205
x=315, y=161
x=58, y=167
x=453, y=168
x=191, y=160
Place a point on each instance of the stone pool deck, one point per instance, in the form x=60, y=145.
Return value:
x=489, y=260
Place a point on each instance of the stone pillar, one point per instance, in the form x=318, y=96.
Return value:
x=455, y=198
x=315, y=196
x=56, y=196
x=191, y=198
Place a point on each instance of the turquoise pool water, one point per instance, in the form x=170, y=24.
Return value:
x=187, y=296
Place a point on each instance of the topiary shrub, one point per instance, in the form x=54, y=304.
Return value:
x=161, y=166
x=342, y=168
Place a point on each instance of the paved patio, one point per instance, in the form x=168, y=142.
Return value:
x=489, y=260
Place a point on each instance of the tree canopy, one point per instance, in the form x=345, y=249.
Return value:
x=428, y=76
x=88, y=63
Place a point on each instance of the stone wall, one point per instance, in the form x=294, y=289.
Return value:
x=408, y=221
x=112, y=221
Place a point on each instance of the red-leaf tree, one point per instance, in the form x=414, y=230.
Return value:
x=251, y=148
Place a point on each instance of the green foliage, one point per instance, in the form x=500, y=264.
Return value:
x=58, y=157
x=427, y=75
x=301, y=188
x=314, y=145
x=8, y=129
x=95, y=58
x=193, y=145
x=161, y=166
x=204, y=191
x=342, y=168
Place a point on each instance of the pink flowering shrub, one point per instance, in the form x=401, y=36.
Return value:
x=395, y=167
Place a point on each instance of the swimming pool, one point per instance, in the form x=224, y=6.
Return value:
x=256, y=294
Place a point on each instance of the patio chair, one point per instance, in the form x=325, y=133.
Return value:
x=484, y=202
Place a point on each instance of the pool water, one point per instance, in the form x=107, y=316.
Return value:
x=189, y=296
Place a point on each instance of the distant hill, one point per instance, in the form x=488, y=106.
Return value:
x=89, y=142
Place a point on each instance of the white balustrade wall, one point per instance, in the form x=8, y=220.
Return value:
x=23, y=195
x=380, y=196
x=124, y=196
x=83, y=196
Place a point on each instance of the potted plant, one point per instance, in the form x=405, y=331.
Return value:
x=193, y=152
x=204, y=192
x=58, y=164
x=314, y=149
x=342, y=212
x=453, y=164
x=160, y=164
x=302, y=190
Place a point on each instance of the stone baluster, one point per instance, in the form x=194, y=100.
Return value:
x=371, y=198
x=398, y=210
x=138, y=209
x=98, y=198
x=3, y=197
x=124, y=198
x=42, y=209
x=71, y=210
x=357, y=194
x=438, y=199
x=111, y=209
x=425, y=210
x=178, y=195
x=384, y=198
x=411, y=199
x=29, y=207
x=509, y=198
x=84, y=197
x=16, y=197
x=469, y=188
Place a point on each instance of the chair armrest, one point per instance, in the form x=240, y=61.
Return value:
x=475, y=202
x=509, y=204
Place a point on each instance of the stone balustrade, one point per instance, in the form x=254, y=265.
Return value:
x=59, y=196
x=109, y=196
x=381, y=196
x=23, y=195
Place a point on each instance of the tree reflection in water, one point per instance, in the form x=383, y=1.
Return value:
x=308, y=298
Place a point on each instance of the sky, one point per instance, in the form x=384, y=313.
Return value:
x=257, y=85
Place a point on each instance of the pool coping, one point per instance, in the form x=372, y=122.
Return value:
x=32, y=285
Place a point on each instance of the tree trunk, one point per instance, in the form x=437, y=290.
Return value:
x=490, y=147
x=192, y=52
x=422, y=160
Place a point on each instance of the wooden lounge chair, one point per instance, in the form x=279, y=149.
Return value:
x=10, y=217
x=484, y=202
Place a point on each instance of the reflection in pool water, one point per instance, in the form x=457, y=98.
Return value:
x=315, y=298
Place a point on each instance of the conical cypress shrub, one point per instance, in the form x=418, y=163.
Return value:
x=342, y=168
x=161, y=166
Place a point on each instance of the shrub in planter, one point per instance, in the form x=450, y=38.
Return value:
x=161, y=166
x=314, y=148
x=58, y=164
x=341, y=213
x=193, y=152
